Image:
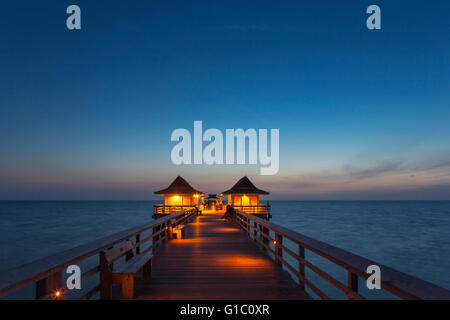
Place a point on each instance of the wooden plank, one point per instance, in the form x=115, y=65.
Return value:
x=113, y=254
x=215, y=260
x=134, y=264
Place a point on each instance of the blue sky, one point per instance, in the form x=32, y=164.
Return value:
x=88, y=114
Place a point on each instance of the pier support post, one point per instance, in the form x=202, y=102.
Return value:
x=352, y=282
x=165, y=234
x=138, y=240
x=169, y=230
x=105, y=278
x=301, y=266
x=247, y=227
x=278, y=250
x=264, y=239
x=154, y=238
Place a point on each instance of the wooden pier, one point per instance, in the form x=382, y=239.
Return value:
x=216, y=260
x=242, y=257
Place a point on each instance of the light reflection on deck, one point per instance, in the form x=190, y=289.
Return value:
x=216, y=260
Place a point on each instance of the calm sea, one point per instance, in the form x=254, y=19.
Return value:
x=410, y=236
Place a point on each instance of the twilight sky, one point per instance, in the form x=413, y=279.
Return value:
x=88, y=114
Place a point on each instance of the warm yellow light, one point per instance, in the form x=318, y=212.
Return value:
x=176, y=197
x=243, y=261
x=226, y=229
x=274, y=242
x=195, y=195
x=57, y=294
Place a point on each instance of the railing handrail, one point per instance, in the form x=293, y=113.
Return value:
x=163, y=209
x=396, y=282
x=252, y=205
x=262, y=206
x=16, y=278
x=174, y=205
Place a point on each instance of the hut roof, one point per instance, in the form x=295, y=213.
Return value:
x=179, y=186
x=245, y=186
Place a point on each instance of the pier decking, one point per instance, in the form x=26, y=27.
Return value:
x=216, y=260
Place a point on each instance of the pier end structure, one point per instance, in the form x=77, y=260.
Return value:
x=178, y=196
x=244, y=196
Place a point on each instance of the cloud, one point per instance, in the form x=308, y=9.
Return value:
x=427, y=193
x=434, y=164
x=387, y=166
x=433, y=192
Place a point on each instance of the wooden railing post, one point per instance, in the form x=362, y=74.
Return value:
x=138, y=240
x=164, y=235
x=170, y=230
x=352, y=282
x=247, y=225
x=263, y=239
x=154, y=238
x=266, y=232
x=48, y=285
x=255, y=231
x=278, y=251
x=301, y=266
x=105, y=278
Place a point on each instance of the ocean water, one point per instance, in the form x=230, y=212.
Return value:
x=410, y=236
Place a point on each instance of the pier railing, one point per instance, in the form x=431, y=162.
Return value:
x=270, y=236
x=255, y=209
x=47, y=273
x=159, y=209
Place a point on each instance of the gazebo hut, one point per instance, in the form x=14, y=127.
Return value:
x=180, y=195
x=245, y=196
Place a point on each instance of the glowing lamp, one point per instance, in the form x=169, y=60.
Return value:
x=176, y=197
x=195, y=195
x=57, y=294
